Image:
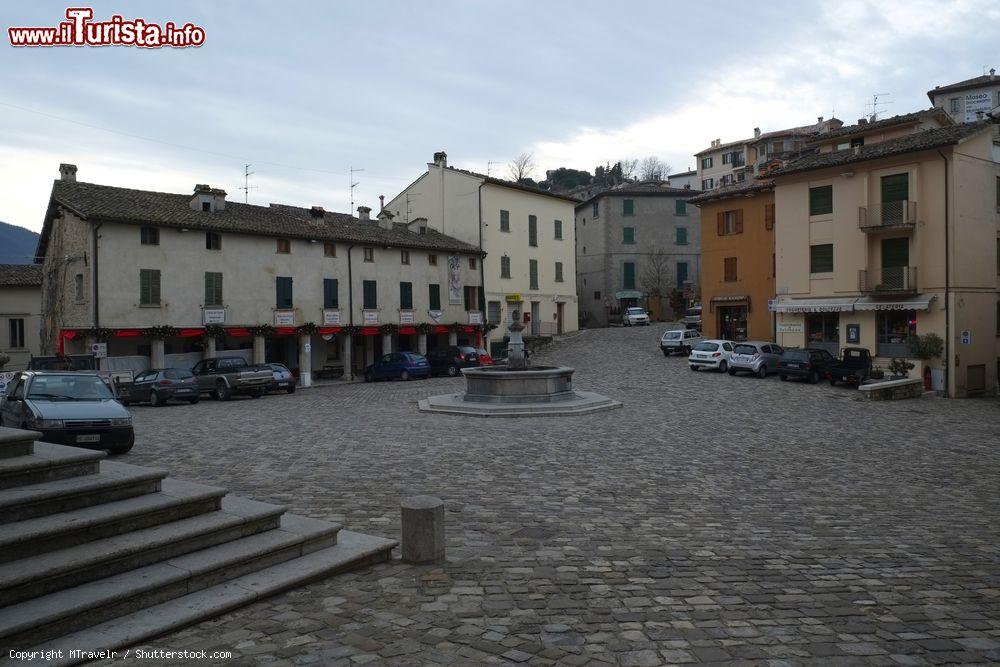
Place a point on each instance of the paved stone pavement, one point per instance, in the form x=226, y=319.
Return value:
x=712, y=519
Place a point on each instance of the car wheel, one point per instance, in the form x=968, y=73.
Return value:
x=666, y=353
x=222, y=392
x=193, y=401
x=762, y=372
x=723, y=366
x=154, y=399
x=291, y=389
x=124, y=449
x=257, y=394
x=732, y=371
x=404, y=376
x=783, y=378
x=694, y=368
x=369, y=377
x=813, y=377
x=452, y=371
x=833, y=382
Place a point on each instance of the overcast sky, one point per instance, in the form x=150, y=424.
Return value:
x=305, y=90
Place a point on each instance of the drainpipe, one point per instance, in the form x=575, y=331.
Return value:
x=97, y=293
x=947, y=284
x=349, y=372
x=482, y=268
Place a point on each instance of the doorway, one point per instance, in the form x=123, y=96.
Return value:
x=895, y=259
x=560, y=309
x=535, y=324
x=733, y=322
x=823, y=332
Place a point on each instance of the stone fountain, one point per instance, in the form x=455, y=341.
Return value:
x=517, y=389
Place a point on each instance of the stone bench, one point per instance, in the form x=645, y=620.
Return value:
x=893, y=390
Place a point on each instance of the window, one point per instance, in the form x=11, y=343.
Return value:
x=998, y=191
x=505, y=267
x=559, y=273
x=680, y=207
x=16, y=329
x=282, y=292
x=821, y=258
x=706, y=163
x=532, y=231
x=557, y=230
x=406, y=296
x=821, y=200
x=434, y=297
x=504, y=221
x=953, y=104
x=628, y=207
x=857, y=142
x=729, y=269
x=998, y=256
x=768, y=216
x=149, y=236
x=329, y=249
x=369, y=254
x=682, y=236
x=331, y=293
x=727, y=158
x=597, y=295
x=596, y=210
x=149, y=287
x=432, y=260
x=470, y=298
x=682, y=273
x=78, y=285
x=404, y=256
x=493, y=312
x=777, y=146
x=206, y=207
x=628, y=235
x=895, y=188
x=707, y=184
x=369, y=297
x=628, y=275
x=473, y=263
x=532, y=274
x=729, y=222
x=213, y=289
x=284, y=246
x=213, y=241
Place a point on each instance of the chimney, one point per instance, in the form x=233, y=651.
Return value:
x=364, y=213
x=208, y=199
x=862, y=121
x=756, y=133
x=993, y=73
x=441, y=159
x=317, y=212
x=67, y=172
x=819, y=119
x=381, y=203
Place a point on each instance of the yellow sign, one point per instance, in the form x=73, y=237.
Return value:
x=513, y=298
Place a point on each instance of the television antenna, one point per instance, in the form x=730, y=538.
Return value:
x=353, y=185
x=874, y=105
x=246, y=188
x=408, y=196
x=489, y=167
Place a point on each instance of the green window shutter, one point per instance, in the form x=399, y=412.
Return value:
x=370, y=294
x=406, y=296
x=434, y=296
x=532, y=230
x=149, y=287
x=213, y=289
x=283, y=292
x=559, y=273
x=597, y=209
x=682, y=273
x=504, y=221
x=505, y=267
x=533, y=274
x=680, y=207
x=331, y=293
x=821, y=258
x=682, y=236
x=895, y=188
x=557, y=229
x=628, y=207
x=629, y=278
x=628, y=235
x=895, y=253
x=821, y=200
x=998, y=192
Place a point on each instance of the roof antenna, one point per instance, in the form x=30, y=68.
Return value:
x=246, y=183
x=489, y=167
x=875, y=104
x=353, y=185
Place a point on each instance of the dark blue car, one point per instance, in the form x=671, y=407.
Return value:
x=402, y=365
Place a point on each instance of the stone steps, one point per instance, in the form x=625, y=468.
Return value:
x=46, y=463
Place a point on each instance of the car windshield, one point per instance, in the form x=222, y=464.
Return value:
x=636, y=311
x=673, y=335
x=745, y=349
x=795, y=355
x=69, y=388
x=178, y=374
x=278, y=367
x=467, y=350
x=707, y=347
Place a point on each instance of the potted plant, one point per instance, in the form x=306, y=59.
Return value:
x=900, y=368
x=926, y=347
x=877, y=373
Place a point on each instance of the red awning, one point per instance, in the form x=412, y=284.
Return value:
x=191, y=333
x=370, y=331
x=127, y=333
x=324, y=331
x=237, y=332
x=407, y=330
x=440, y=329
x=468, y=329
x=284, y=331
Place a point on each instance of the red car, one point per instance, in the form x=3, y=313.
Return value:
x=484, y=357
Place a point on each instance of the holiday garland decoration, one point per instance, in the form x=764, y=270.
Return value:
x=309, y=328
x=261, y=330
x=100, y=333
x=214, y=331
x=424, y=327
x=389, y=329
x=351, y=329
x=161, y=332
x=456, y=326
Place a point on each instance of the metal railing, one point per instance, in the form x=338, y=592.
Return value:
x=888, y=280
x=893, y=214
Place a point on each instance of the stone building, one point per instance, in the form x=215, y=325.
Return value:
x=969, y=100
x=165, y=279
x=634, y=244
x=20, y=313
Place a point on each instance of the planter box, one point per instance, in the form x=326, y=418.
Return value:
x=893, y=390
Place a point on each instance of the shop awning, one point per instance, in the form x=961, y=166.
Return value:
x=918, y=302
x=830, y=305
x=730, y=298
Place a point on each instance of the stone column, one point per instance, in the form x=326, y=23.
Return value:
x=369, y=351
x=452, y=337
x=258, y=349
x=209, y=351
x=156, y=356
x=346, y=355
x=386, y=343
x=423, y=529
x=305, y=360
x=422, y=343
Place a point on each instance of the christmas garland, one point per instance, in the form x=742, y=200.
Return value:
x=351, y=329
x=100, y=333
x=456, y=326
x=389, y=329
x=424, y=328
x=214, y=331
x=161, y=332
x=309, y=328
x=261, y=330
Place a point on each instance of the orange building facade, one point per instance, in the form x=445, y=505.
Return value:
x=737, y=261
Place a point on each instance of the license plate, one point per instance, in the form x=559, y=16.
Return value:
x=795, y=365
x=88, y=438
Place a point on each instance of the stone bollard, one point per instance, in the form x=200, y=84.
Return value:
x=423, y=529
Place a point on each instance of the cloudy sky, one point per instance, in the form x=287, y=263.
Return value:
x=305, y=90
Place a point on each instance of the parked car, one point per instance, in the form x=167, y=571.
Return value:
x=159, y=386
x=78, y=408
x=679, y=340
x=282, y=378
x=402, y=365
x=452, y=359
x=853, y=367
x=484, y=357
x=224, y=376
x=810, y=363
x=713, y=353
x=692, y=320
x=635, y=316
x=754, y=356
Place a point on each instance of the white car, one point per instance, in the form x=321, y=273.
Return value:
x=758, y=357
x=679, y=340
x=635, y=316
x=711, y=354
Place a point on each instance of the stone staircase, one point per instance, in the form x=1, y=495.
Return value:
x=97, y=554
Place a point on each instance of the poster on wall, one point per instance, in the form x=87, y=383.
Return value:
x=436, y=315
x=406, y=317
x=789, y=327
x=370, y=317
x=331, y=318
x=454, y=279
x=213, y=316
x=284, y=318
x=853, y=334
x=976, y=103
x=475, y=317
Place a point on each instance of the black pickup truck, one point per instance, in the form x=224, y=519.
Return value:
x=853, y=367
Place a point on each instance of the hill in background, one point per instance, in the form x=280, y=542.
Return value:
x=17, y=244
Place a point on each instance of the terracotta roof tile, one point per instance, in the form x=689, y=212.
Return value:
x=20, y=275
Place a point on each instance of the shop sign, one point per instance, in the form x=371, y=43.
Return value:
x=331, y=318
x=790, y=327
x=475, y=317
x=406, y=317
x=512, y=298
x=369, y=317
x=213, y=316
x=977, y=102
x=284, y=318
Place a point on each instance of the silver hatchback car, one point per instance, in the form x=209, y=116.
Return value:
x=755, y=356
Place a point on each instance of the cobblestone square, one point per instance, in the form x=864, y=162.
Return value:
x=713, y=519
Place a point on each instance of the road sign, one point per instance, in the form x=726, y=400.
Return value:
x=772, y=305
x=99, y=350
x=966, y=337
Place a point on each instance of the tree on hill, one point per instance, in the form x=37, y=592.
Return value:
x=565, y=178
x=653, y=168
x=521, y=167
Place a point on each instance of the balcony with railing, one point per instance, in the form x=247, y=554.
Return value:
x=888, y=281
x=888, y=216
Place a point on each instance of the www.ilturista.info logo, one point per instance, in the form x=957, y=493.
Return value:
x=80, y=30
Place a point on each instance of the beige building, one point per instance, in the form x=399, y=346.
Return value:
x=723, y=164
x=165, y=279
x=968, y=101
x=892, y=230
x=20, y=314
x=526, y=233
